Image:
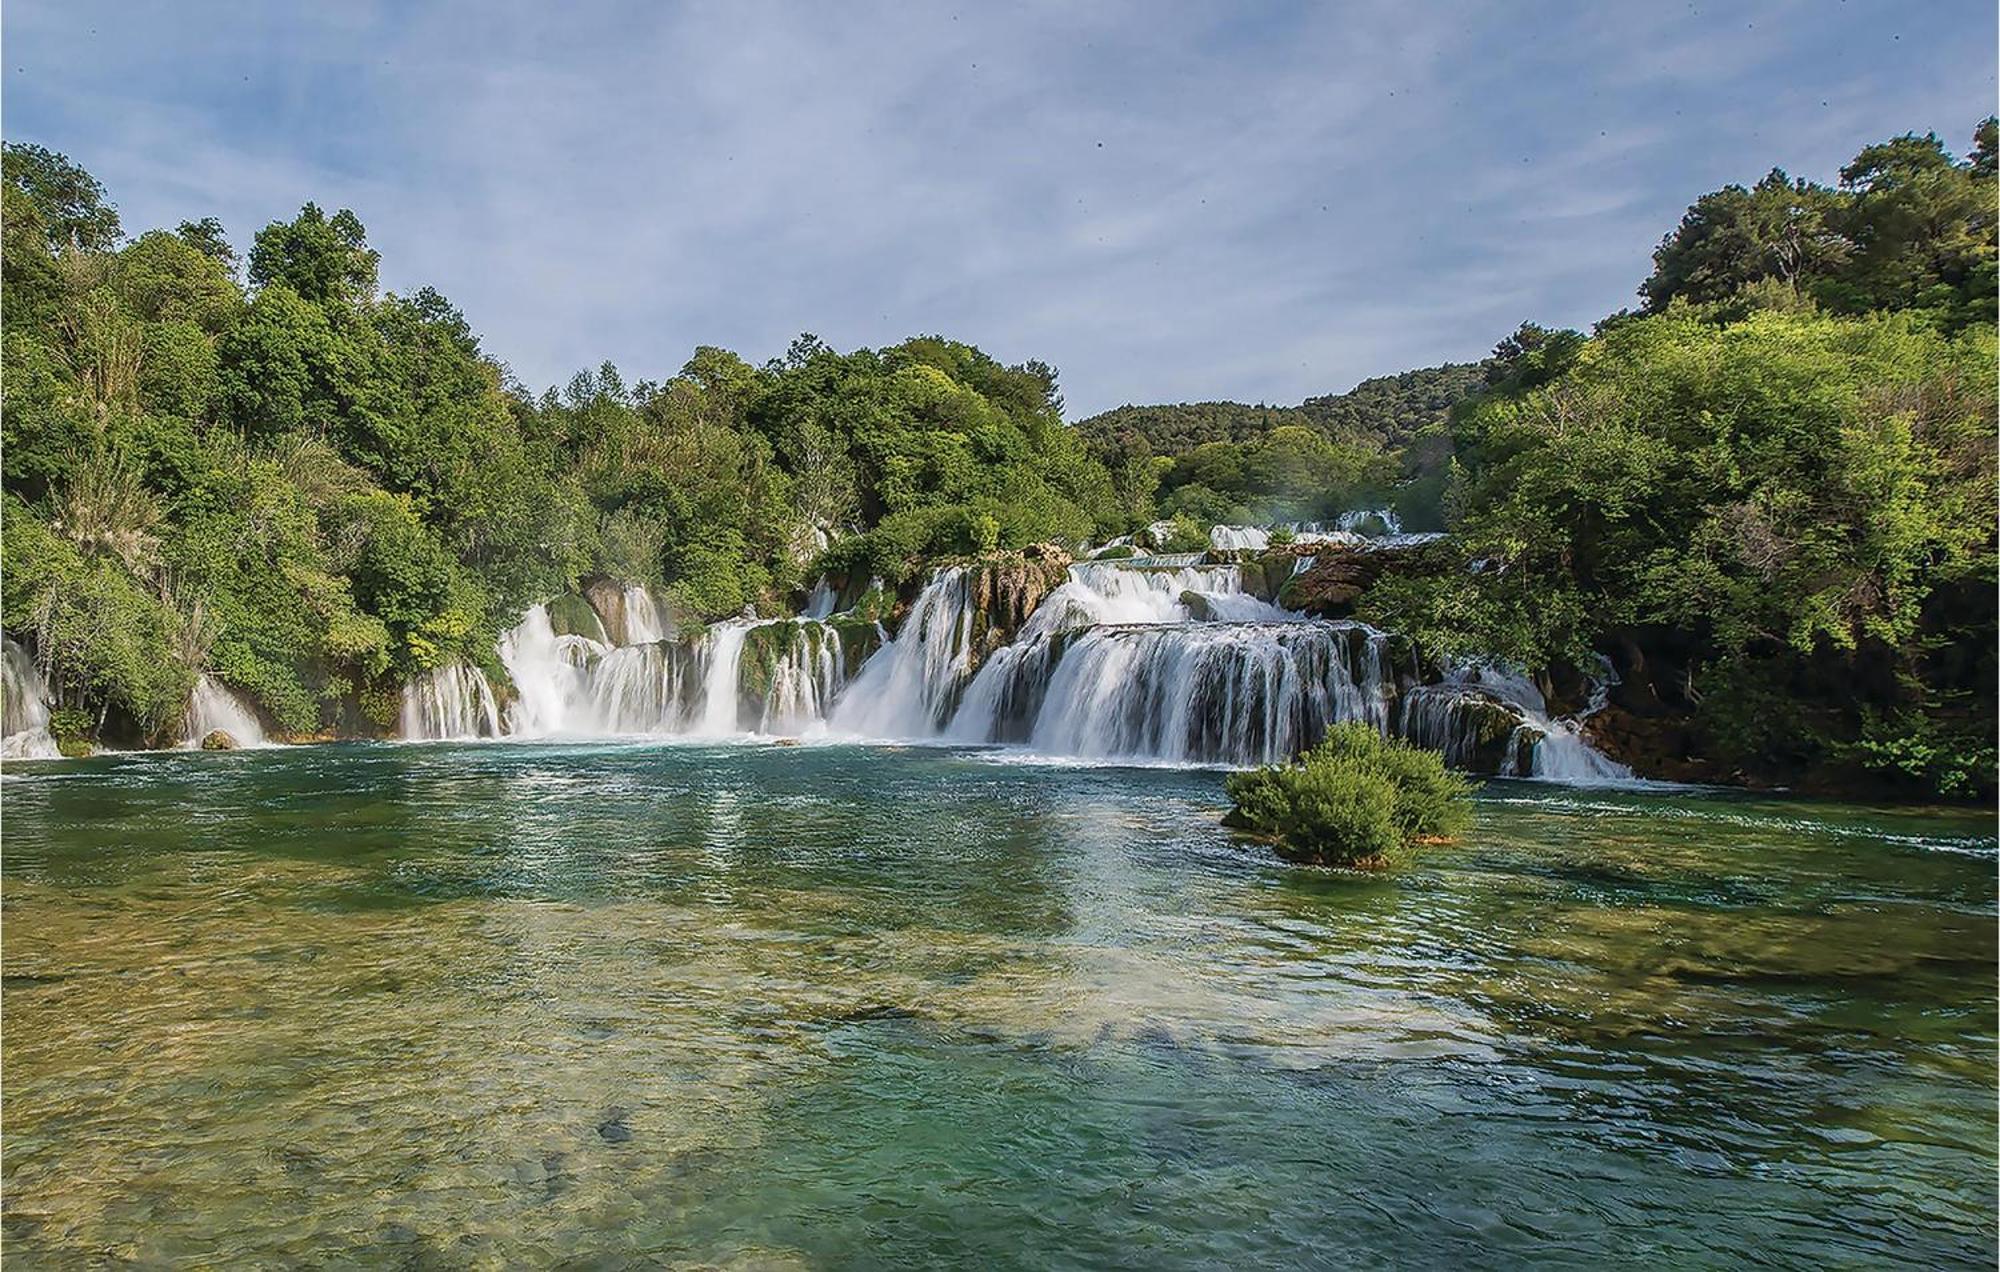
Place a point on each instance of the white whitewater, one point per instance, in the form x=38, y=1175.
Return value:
x=721, y=675
x=909, y=687
x=551, y=675
x=215, y=706
x=821, y=600
x=643, y=623
x=24, y=708
x=1440, y=715
x=452, y=701
x=1193, y=693
x=571, y=686
x=1231, y=538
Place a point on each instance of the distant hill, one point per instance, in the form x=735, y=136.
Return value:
x=1395, y=407
x=1389, y=408
x=1178, y=428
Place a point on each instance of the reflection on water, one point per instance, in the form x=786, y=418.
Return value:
x=800, y=1007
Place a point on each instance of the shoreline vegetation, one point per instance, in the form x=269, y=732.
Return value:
x=1756, y=511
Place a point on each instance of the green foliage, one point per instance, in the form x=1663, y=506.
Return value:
x=68, y=202
x=1393, y=409
x=1909, y=228
x=326, y=261
x=1188, y=534
x=1781, y=500
x=1924, y=755
x=1358, y=799
x=106, y=641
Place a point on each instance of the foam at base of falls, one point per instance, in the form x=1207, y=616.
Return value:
x=214, y=707
x=24, y=708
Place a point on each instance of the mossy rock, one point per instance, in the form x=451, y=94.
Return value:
x=858, y=641
x=1199, y=607
x=571, y=615
x=219, y=740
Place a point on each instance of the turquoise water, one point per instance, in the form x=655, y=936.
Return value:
x=764, y=1006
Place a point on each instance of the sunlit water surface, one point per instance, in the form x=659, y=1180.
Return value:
x=841, y=1007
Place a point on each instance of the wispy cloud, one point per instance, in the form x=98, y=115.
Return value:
x=1187, y=201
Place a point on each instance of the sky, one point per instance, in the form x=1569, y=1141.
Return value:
x=1167, y=201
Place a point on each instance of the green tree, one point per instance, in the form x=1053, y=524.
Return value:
x=68, y=201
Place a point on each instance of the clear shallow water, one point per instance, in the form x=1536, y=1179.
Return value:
x=827, y=1006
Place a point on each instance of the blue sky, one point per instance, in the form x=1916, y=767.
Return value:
x=1167, y=201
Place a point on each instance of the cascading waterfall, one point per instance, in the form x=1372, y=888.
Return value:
x=1482, y=710
x=643, y=623
x=908, y=689
x=821, y=600
x=773, y=676
x=722, y=658
x=1202, y=693
x=452, y=701
x=24, y=708
x=213, y=707
x=1164, y=658
x=552, y=693
x=1233, y=538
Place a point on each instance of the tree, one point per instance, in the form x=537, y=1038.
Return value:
x=1780, y=229
x=1922, y=225
x=326, y=261
x=69, y=200
x=206, y=236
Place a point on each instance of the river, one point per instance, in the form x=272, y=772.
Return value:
x=755, y=1005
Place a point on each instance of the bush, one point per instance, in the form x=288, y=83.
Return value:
x=1116, y=552
x=1357, y=800
x=1188, y=535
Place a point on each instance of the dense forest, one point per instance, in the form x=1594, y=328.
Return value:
x=1767, y=495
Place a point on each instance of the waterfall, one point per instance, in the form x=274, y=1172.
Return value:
x=1491, y=717
x=452, y=701
x=907, y=690
x=722, y=660
x=551, y=674
x=822, y=599
x=1355, y=521
x=1164, y=659
x=1238, y=537
x=643, y=624
x=24, y=708
x=214, y=706
x=1205, y=693
x=770, y=676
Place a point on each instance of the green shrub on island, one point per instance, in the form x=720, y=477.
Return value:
x=1357, y=799
x=1116, y=552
